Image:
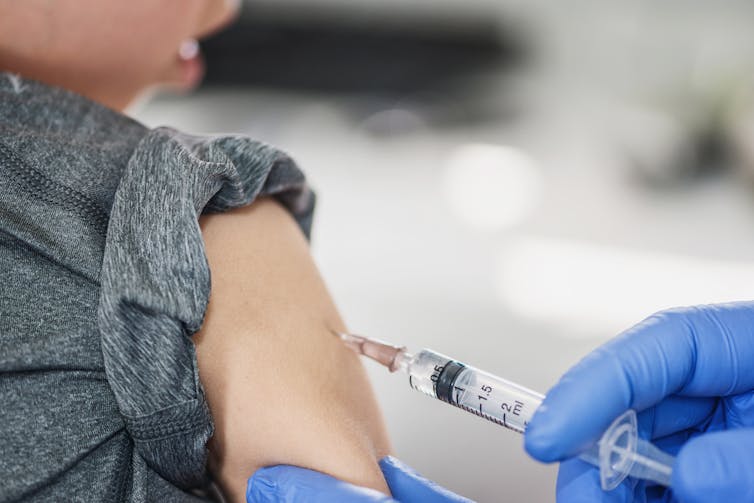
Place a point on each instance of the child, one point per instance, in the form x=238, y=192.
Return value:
x=120, y=377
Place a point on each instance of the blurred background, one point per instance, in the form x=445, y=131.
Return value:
x=507, y=182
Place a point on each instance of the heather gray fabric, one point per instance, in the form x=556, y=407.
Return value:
x=103, y=280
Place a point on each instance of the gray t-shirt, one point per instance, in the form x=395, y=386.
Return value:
x=103, y=281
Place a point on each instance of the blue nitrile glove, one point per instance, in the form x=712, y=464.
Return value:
x=690, y=374
x=290, y=484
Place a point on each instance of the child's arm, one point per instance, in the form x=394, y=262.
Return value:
x=281, y=387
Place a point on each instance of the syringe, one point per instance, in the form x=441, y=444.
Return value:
x=618, y=454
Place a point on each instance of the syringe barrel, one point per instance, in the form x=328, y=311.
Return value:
x=619, y=453
x=473, y=390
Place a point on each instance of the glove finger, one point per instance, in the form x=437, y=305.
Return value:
x=408, y=486
x=675, y=414
x=739, y=410
x=692, y=352
x=716, y=467
x=579, y=482
x=672, y=444
x=291, y=484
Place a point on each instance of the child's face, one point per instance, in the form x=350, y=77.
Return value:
x=108, y=50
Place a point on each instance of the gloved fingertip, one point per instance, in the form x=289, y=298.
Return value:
x=390, y=463
x=702, y=470
x=408, y=485
x=540, y=438
x=539, y=448
x=285, y=483
x=689, y=474
x=261, y=488
x=398, y=474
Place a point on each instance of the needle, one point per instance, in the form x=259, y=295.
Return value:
x=381, y=352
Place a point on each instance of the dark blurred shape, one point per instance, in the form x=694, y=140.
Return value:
x=384, y=59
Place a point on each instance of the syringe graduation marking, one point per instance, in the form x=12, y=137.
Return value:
x=488, y=417
x=445, y=384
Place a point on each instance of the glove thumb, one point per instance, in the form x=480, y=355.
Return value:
x=408, y=486
x=716, y=467
x=291, y=484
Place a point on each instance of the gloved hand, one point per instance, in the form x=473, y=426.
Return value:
x=690, y=373
x=290, y=484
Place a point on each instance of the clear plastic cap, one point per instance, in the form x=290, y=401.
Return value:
x=622, y=453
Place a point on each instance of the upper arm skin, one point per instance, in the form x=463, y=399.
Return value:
x=281, y=388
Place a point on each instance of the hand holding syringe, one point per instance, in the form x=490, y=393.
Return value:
x=618, y=454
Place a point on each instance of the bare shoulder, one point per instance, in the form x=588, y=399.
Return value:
x=280, y=387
